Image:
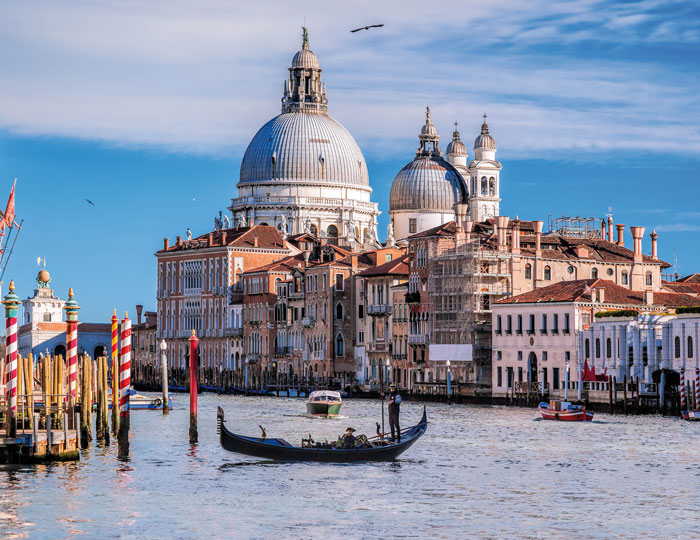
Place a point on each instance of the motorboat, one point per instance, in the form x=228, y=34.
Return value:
x=324, y=403
x=565, y=411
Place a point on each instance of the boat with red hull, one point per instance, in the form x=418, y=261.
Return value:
x=565, y=411
x=691, y=415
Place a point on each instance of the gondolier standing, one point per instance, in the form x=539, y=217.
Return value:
x=394, y=409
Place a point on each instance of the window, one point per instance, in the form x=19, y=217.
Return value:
x=520, y=374
x=500, y=376
x=650, y=280
x=492, y=186
x=324, y=282
x=484, y=186
x=332, y=231
x=520, y=356
x=339, y=282
x=47, y=317
x=547, y=273
x=499, y=356
x=361, y=311
x=555, y=378
x=339, y=312
x=412, y=225
x=587, y=346
x=339, y=345
x=544, y=356
x=531, y=324
x=597, y=347
x=608, y=348
x=677, y=347
x=544, y=323
x=509, y=324
x=498, y=324
x=609, y=271
x=566, y=323
x=519, y=328
x=594, y=273
x=528, y=271
x=570, y=269
x=555, y=323
x=361, y=336
x=624, y=278
x=690, y=347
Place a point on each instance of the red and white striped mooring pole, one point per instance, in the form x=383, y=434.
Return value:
x=682, y=389
x=11, y=303
x=71, y=308
x=697, y=388
x=124, y=385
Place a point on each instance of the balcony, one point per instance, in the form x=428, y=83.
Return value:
x=413, y=298
x=252, y=358
x=308, y=322
x=381, y=310
x=233, y=332
x=283, y=351
x=420, y=340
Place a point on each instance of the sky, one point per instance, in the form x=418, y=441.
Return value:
x=146, y=108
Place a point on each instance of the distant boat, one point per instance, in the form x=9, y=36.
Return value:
x=564, y=411
x=691, y=415
x=368, y=449
x=138, y=402
x=324, y=403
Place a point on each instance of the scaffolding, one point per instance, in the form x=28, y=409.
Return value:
x=576, y=227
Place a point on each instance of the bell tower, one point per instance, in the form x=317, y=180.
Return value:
x=484, y=177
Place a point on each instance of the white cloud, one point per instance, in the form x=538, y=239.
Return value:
x=203, y=77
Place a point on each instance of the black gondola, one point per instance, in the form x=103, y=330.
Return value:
x=279, y=449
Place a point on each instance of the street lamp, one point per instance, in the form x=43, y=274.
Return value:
x=449, y=381
x=245, y=358
x=566, y=382
x=164, y=374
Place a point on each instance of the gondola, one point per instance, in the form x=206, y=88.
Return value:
x=279, y=449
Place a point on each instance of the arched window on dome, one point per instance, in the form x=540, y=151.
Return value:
x=332, y=231
x=492, y=186
x=273, y=162
x=322, y=162
x=484, y=186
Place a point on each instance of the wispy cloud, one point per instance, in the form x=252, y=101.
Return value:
x=678, y=227
x=559, y=79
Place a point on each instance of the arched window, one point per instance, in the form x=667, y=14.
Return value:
x=594, y=273
x=597, y=347
x=484, y=186
x=339, y=312
x=492, y=186
x=339, y=345
x=690, y=347
x=650, y=280
x=528, y=271
x=332, y=231
x=624, y=278
x=547, y=273
x=588, y=347
x=608, y=348
x=677, y=347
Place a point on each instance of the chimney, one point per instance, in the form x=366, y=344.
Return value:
x=178, y=241
x=620, y=234
x=468, y=227
x=601, y=295
x=654, y=236
x=649, y=297
x=251, y=223
x=211, y=239
x=637, y=234
x=255, y=242
x=515, y=239
x=538, y=237
x=139, y=311
x=166, y=244
x=594, y=295
x=502, y=230
x=610, y=229
x=223, y=238
x=602, y=229
x=307, y=254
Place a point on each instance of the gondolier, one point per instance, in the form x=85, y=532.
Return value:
x=394, y=410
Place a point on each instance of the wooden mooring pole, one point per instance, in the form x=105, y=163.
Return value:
x=624, y=389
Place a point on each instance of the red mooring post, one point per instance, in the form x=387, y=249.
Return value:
x=124, y=384
x=194, y=345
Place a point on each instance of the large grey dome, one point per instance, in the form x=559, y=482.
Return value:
x=427, y=183
x=304, y=147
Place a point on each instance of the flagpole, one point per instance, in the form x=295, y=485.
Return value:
x=19, y=228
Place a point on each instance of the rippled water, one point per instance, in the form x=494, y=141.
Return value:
x=479, y=472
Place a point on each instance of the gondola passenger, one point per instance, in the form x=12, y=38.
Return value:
x=349, y=438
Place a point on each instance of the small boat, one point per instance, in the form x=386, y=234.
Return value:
x=565, y=411
x=324, y=403
x=138, y=402
x=691, y=415
x=374, y=449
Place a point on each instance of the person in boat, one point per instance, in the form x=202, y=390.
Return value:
x=349, y=438
x=394, y=410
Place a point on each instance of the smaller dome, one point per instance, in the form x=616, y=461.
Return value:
x=456, y=146
x=43, y=276
x=305, y=58
x=428, y=183
x=484, y=141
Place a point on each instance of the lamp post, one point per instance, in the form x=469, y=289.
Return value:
x=580, y=384
x=449, y=381
x=246, y=373
x=566, y=382
x=164, y=374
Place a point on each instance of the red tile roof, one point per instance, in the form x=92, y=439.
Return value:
x=692, y=278
x=396, y=267
x=446, y=229
x=244, y=237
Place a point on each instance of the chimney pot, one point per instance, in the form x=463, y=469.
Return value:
x=601, y=295
x=178, y=240
x=538, y=237
x=223, y=238
x=166, y=244
x=649, y=297
x=610, y=229
x=620, y=234
x=255, y=241
x=654, y=252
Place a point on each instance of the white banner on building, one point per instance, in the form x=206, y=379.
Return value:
x=453, y=353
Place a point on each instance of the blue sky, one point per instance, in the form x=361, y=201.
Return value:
x=146, y=108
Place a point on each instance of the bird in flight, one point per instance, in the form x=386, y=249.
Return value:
x=92, y=203
x=367, y=27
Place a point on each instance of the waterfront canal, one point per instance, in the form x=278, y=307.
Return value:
x=479, y=472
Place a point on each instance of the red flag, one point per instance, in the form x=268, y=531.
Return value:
x=9, y=217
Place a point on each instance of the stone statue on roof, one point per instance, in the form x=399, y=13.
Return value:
x=189, y=234
x=307, y=226
x=390, y=241
x=227, y=222
x=283, y=226
x=241, y=221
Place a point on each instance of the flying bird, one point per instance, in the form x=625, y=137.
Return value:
x=367, y=27
x=92, y=203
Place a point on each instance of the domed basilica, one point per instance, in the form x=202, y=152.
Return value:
x=303, y=171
